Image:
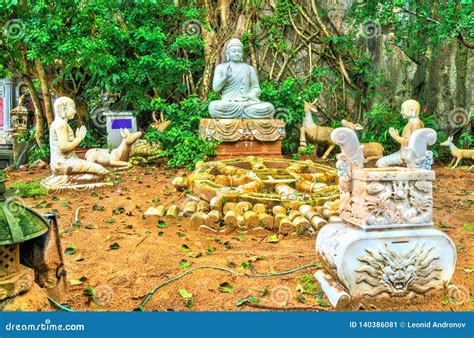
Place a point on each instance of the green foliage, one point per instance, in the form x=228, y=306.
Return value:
x=181, y=142
x=364, y=73
x=188, y=149
x=465, y=140
x=308, y=151
x=186, y=114
x=28, y=189
x=288, y=97
x=308, y=284
x=94, y=139
x=376, y=123
x=439, y=153
x=140, y=49
x=274, y=24
x=419, y=25
x=39, y=153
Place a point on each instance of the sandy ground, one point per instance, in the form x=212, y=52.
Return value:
x=123, y=255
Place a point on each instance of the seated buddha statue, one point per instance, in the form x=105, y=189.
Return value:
x=237, y=83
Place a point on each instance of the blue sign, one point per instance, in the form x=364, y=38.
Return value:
x=121, y=123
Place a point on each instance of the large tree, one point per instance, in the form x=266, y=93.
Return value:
x=83, y=48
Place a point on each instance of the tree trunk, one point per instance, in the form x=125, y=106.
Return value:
x=39, y=115
x=210, y=53
x=48, y=105
x=224, y=7
x=82, y=111
x=39, y=128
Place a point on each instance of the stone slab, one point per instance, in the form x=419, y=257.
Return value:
x=232, y=130
x=244, y=148
x=117, y=120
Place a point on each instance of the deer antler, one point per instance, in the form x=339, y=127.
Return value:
x=162, y=117
x=162, y=124
x=153, y=116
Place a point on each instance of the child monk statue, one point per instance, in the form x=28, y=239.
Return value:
x=69, y=171
x=410, y=111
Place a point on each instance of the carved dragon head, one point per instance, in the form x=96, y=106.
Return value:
x=398, y=273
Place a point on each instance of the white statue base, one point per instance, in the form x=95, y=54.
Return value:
x=386, y=245
x=73, y=182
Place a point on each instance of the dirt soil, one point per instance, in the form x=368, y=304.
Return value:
x=123, y=255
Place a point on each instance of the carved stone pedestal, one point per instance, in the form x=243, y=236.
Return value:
x=244, y=137
x=385, y=263
x=386, y=245
x=242, y=148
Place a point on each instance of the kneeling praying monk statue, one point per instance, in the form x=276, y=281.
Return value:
x=69, y=171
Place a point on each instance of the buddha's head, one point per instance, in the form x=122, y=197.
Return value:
x=235, y=50
x=65, y=108
x=410, y=108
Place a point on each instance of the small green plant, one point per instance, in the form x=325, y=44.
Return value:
x=288, y=97
x=93, y=139
x=308, y=284
x=466, y=140
x=308, y=151
x=28, y=189
x=39, y=153
x=188, y=150
x=181, y=143
x=187, y=297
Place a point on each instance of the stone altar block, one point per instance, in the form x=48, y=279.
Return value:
x=115, y=121
x=386, y=245
x=244, y=137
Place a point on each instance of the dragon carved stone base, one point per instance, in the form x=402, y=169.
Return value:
x=385, y=245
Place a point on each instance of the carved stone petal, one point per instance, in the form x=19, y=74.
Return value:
x=375, y=187
x=347, y=139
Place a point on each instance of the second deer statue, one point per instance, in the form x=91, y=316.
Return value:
x=314, y=134
x=458, y=154
x=117, y=157
x=372, y=150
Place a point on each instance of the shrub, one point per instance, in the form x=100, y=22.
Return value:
x=39, y=153
x=181, y=142
x=28, y=189
x=376, y=123
x=288, y=97
x=94, y=139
